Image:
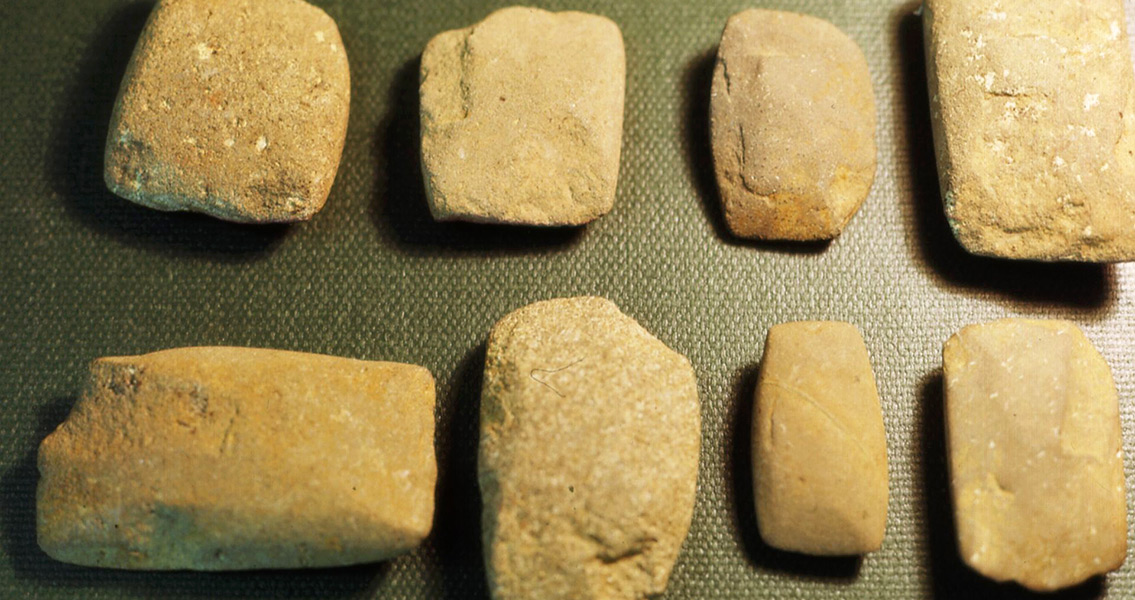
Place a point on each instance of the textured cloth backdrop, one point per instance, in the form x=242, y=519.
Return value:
x=86, y=274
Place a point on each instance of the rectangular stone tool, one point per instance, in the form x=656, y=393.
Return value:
x=240, y=458
x=1033, y=107
x=588, y=466
x=522, y=118
x=1036, y=460
x=819, y=448
x=792, y=119
x=233, y=108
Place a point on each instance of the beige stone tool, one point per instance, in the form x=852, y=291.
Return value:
x=237, y=109
x=590, y=437
x=240, y=458
x=819, y=447
x=1033, y=106
x=522, y=118
x=1035, y=452
x=793, y=126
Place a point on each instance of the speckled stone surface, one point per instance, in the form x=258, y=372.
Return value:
x=236, y=109
x=1035, y=451
x=522, y=118
x=793, y=126
x=819, y=447
x=239, y=458
x=590, y=433
x=1033, y=103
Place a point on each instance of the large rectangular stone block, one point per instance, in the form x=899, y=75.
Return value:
x=240, y=458
x=1033, y=105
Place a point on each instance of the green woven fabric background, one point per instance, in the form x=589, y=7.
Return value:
x=86, y=274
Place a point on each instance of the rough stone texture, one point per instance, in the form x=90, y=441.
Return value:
x=590, y=435
x=1036, y=459
x=238, y=458
x=819, y=448
x=793, y=126
x=522, y=118
x=233, y=108
x=1033, y=103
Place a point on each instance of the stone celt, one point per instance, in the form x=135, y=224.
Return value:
x=590, y=438
x=522, y=118
x=1033, y=108
x=240, y=458
x=1035, y=453
x=237, y=109
x=792, y=121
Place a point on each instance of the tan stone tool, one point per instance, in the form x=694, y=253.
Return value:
x=240, y=458
x=1035, y=449
x=590, y=436
x=793, y=126
x=1033, y=106
x=522, y=118
x=819, y=447
x=237, y=109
